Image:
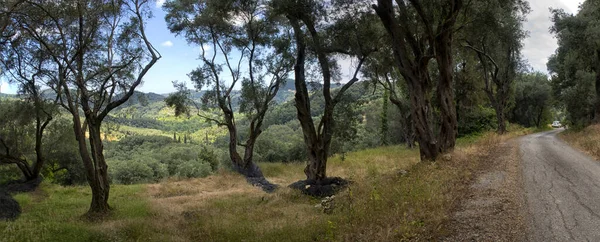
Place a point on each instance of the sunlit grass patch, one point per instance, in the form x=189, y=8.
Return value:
x=54, y=213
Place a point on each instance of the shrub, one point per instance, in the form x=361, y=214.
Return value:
x=129, y=143
x=281, y=143
x=193, y=168
x=130, y=172
x=477, y=120
x=209, y=156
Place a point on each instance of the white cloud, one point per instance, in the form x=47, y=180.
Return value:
x=572, y=5
x=167, y=43
x=159, y=3
x=3, y=87
x=541, y=44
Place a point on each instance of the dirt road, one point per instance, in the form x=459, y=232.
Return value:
x=562, y=189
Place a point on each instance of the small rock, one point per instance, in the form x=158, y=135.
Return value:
x=447, y=157
x=402, y=172
x=328, y=204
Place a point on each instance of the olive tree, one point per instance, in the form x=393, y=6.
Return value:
x=97, y=55
x=419, y=32
x=241, y=46
x=325, y=32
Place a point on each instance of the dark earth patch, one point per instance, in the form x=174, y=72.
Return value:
x=263, y=183
x=9, y=208
x=18, y=186
x=324, y=188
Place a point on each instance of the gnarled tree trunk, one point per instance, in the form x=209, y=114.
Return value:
x=421, y=114
x=445, y=92
x=597, y=87
x=94, y=164
x=100, y=186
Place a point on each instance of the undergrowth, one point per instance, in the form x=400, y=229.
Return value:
x=393, y=197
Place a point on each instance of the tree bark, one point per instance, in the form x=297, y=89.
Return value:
x=39, y=160
x=445, y=92
x=421, y=114
x=316, y=160
x=501, y=119
x=597, y=88
x=245, y=165
x=414, y=70
x=101, y=186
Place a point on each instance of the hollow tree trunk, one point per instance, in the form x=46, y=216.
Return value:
x=236, y=159
x=245, y=165
x=249, y=167
x=39, y=160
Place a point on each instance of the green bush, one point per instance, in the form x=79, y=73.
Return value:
x=477, y=120
x=130, y=172
x=193, y=168
x=209, y=156
x=281, y=143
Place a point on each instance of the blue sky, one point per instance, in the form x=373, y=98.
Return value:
x=179, y=58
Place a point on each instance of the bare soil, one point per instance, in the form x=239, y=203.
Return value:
x=493, y=207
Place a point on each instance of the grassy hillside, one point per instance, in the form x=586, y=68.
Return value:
x=392, y=198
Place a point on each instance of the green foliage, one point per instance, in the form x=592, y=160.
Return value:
x=476, y=120
x=63, y=162
x=282, y=143
x=131, y=143
x=139, y=159
x=532, y=100
x=575, y=64
x=193, y=168
x=130, y=172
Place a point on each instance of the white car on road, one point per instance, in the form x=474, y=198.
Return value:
x=556, y=124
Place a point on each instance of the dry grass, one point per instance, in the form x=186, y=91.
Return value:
x=382, y=203
x=586, y=140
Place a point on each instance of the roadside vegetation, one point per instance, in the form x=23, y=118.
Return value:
x=586, y=139
x=223, y=207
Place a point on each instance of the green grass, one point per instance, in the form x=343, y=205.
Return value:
x=54, y=213
x=381, y=204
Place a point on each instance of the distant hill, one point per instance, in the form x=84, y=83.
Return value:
x=3, y=95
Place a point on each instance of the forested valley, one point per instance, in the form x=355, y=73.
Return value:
x=304, y=120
